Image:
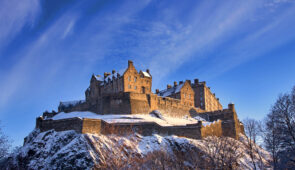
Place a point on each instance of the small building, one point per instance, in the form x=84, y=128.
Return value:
x=182, y=91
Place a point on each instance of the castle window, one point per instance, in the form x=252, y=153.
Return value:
x=135, y=79
x=189, y=96
x=184, y=95
x=135, y=87
x=129, y=86
x=129, y=78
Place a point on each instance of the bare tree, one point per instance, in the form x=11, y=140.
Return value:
x=4, y=144
x=251, y=135
x=279, y=131
x=253, y=132
x=222, y=152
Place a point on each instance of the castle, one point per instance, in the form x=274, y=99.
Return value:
x=131, y=94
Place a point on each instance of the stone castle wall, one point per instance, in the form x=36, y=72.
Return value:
x=226, y=124
x=214, y=129
x=60, y=125
x=230, y=125
x=97, y=126
x=136, y=103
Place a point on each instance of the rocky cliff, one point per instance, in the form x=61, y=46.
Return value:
x=70, y=150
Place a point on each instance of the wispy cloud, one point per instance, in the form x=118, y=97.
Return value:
x=14, y=15
x=51, y=53
x=164, y=44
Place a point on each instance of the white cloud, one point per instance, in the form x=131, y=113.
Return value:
x=48, y=48
x=14, y=15
x=165, y=44
x=68, y=29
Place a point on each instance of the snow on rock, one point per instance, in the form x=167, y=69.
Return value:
x=157, y=114
x=52, y=150
x=199, y=118
x=70, y=150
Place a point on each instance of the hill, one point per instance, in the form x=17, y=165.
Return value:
x=71, y=150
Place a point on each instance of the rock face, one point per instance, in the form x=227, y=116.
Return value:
x=71, y=150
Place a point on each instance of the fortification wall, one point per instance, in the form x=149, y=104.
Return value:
x=214, y=129
x=146, y=103
x=60, y=125
x=91, y=126
x=149, y=128
x=231, y=125
x=97, y=126
x=116, y=104
x=139, y=103
x=135, y=103
x=174, y=108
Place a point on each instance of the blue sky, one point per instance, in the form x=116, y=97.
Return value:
x=244, y=50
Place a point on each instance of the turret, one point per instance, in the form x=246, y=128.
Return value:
x=157, y=91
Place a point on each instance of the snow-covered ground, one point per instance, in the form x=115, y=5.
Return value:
x=163, y=120
x=70, y=150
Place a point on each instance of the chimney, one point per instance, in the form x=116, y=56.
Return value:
x=217, y=99
x=180, y=82
x=209, y=88
x=213, y=94
x=189, y=81
x=196, y=81
x=130, y=63
x=175, y=84
x=113, y=71
x=105, y=74
x=157, y=91
x=203, y=83
x=231, y=106
x=148, y=71
x=168, y=86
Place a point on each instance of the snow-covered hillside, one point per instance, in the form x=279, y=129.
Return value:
x=70, y=150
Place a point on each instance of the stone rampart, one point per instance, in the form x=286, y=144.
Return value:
x=231, y=126
x=97, y=126
x=60, y=125
x=135, y=103
x=150, y=128
x=214, y=129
